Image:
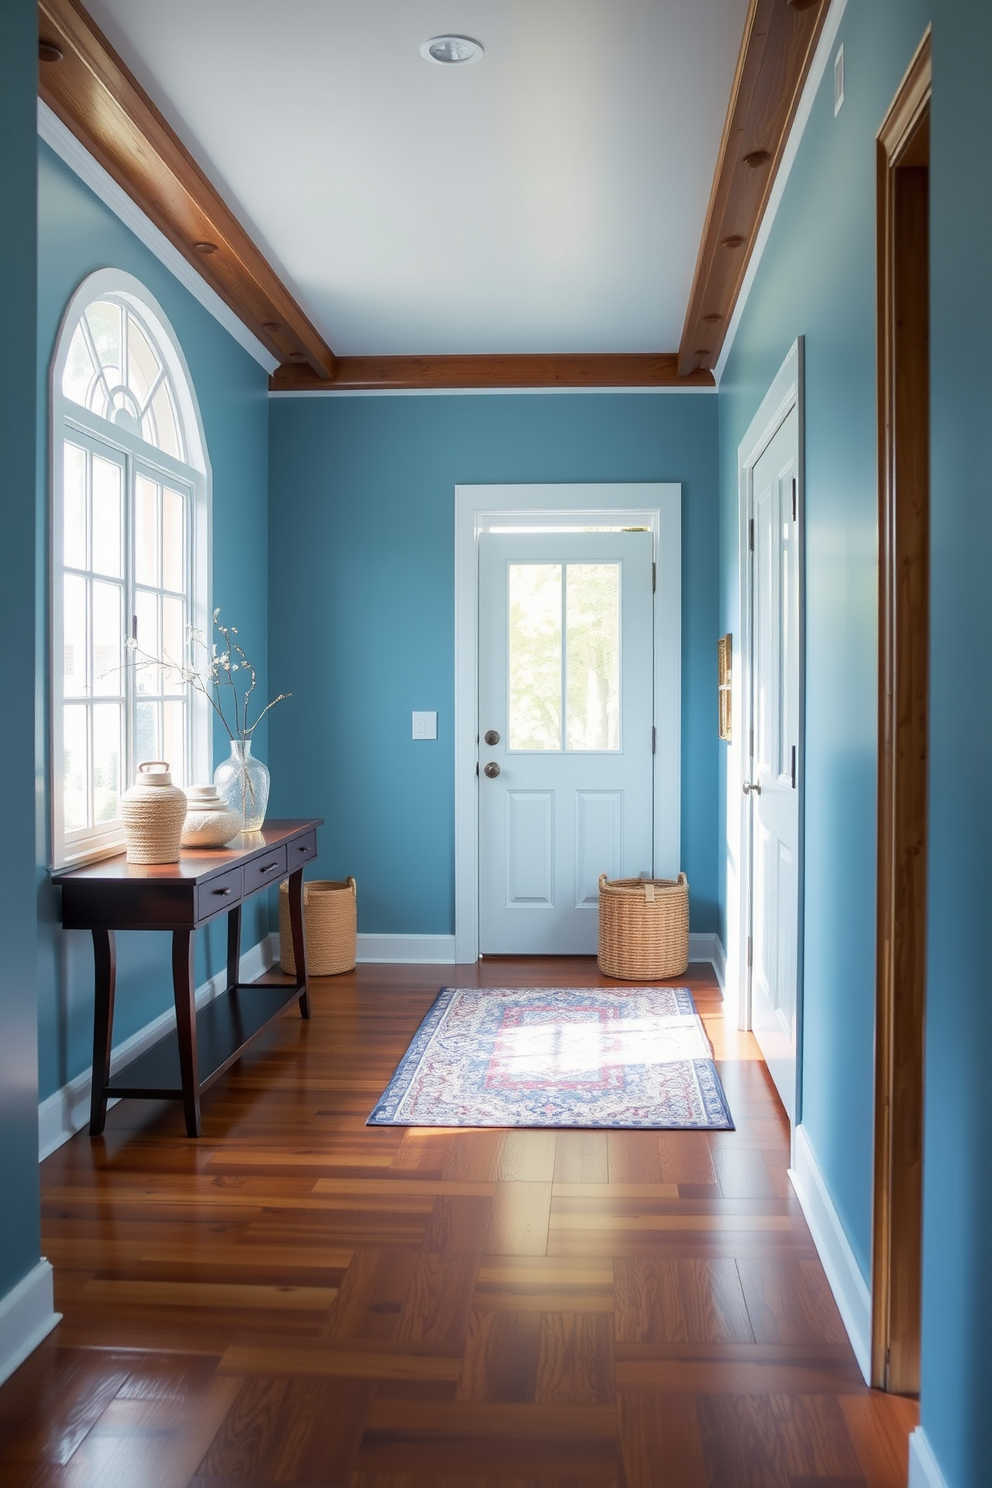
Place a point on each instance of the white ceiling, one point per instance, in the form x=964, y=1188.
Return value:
x=549, y=198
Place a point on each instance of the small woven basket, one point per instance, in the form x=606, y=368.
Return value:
x=643, y=927
x=330, y=924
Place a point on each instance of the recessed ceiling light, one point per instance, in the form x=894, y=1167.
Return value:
x=451, y=49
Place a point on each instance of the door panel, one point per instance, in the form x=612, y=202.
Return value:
x=530, y=817
x=775, y=722
x=566, y=667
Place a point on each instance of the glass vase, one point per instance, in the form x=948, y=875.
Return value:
x=243, y=782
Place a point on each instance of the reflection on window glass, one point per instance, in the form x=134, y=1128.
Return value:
x=74, y=646
x=74, y=506
x=173, y=545
x=106, y=760
x=106, y=517
x=74, y=773
x=535, y=656
x=108, y=635
x=592, y=629
x=146, y=532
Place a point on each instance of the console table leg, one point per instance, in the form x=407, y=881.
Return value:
x=233, y=947
x=184, y=988
x=105, y=978
x=299, y=939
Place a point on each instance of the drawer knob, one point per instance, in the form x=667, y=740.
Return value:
x=222, y=891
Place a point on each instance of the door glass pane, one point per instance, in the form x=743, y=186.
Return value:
x=74, y=797
x=74, y=635
x=106, y=517
x=146, y=531
x=108, y=633
x=534, y=656
x=592, y=628
x=74, y=506
x=173, y=546
x=106, y=760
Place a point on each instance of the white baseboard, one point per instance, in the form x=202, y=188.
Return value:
x=709, y=947
x=923, y=1469
x=67, y=1111
x=439, y=950
x=843, y=1273
x=416, y=950
x=27, y=1315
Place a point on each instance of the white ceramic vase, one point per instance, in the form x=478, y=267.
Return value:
x=210, y=821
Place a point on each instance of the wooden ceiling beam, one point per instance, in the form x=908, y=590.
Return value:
x=398, y=373
x=780, y=37
x=89, y=87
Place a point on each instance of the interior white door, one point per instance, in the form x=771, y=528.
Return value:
x=772, y=781
x=565, y=732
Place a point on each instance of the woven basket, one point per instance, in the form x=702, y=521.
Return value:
x=330, y=924
x=643, y=927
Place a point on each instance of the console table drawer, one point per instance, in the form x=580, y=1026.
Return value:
x=268, y=867
x=219, y=893
x=301, y=851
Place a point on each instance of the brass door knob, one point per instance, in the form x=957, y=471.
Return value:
x=492, y=770
x=492, y=737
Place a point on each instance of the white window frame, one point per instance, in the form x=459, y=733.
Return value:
x=69, y=419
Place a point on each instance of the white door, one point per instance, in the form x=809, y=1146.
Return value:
x=566, y=717
x=772, y=782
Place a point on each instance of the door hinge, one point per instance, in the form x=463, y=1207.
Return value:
x=794, y=497
x=654, y=740
x=654, y=577
x=793, y=767
x=477, y=769
x=750, y=535
x=749, y=950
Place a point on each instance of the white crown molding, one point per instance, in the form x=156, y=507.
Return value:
x=834, y=1249
x=67, y=1111
x=818, y=68
x=92, y=174
x=27, y=1315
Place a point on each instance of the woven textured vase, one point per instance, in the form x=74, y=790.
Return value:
x=153, y=812
x=643, y=927
x=330, y=923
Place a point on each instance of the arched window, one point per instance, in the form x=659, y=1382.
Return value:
x=130, y=498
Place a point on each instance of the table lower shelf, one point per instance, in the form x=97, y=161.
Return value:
x=224, y=1029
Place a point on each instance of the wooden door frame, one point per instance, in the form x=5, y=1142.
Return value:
x=904, y=509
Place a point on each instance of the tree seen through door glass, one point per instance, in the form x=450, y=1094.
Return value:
x=592, y=644
x=535, y=656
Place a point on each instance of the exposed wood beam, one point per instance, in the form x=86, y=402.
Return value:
x=86, y=83
x=780, y=38
x=394, y=373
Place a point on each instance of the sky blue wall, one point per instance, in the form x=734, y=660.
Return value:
x=78, y=234
x=19, y=1231
x=817, y=279
x=957, y=1237
x=362, y=613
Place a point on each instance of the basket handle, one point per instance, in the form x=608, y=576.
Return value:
x=353, y=886
x=602, y=881
x=649, y=892
x=683, y=880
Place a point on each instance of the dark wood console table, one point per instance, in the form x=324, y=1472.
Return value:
x=204, y=884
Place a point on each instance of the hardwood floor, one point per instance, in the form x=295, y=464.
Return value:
x=298, y=1299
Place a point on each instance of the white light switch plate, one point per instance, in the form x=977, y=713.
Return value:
x=425, y=725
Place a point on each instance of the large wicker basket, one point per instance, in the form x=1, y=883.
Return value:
x=643, y=927
x=330, y=923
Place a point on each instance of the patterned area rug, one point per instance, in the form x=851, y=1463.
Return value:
x=561, y=1057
